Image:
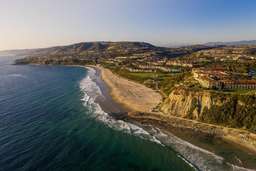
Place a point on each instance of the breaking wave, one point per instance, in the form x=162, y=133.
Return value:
x=92, y=91
x=15, y=76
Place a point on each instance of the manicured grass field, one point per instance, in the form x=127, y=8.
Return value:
x=156, y=80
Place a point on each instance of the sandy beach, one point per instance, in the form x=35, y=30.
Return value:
x=135, y=96
x=141, y=100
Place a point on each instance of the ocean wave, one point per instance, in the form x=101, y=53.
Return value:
x=16, y=75
x=92, y=91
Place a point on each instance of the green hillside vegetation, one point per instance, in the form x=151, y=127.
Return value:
x=161, y=81
x=239, y=111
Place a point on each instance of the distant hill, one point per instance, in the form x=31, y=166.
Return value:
x=234, y=43
x=111, y=48
x=83, y=47
x=108, y=50
x=86, y=52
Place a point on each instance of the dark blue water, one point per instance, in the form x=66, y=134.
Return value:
x=45, y=126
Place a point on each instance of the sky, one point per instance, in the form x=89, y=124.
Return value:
x=45, y=23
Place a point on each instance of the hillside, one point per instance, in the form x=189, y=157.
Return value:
x=85, y=47
x=93, y=52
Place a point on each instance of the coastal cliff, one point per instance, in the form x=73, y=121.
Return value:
x=227, y=109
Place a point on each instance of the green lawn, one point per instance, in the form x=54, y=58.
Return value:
x=156, y=80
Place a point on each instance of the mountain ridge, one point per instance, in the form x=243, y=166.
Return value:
x=74, y=44
x=100, y=44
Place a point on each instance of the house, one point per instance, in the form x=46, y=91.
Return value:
x=239, y=84
x=218, y=79
x=180, y=63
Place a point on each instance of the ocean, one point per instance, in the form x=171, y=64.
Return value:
x=50, y=120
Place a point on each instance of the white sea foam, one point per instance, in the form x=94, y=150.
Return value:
x=191, y=154
x=15, y=75
x=92, y=91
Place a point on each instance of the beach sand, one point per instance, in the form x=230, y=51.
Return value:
x=132, y=95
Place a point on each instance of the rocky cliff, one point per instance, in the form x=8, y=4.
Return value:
x=227, y=109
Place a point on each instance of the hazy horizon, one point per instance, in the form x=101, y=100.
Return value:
x=38, y=24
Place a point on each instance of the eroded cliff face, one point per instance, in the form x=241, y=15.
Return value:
x=186, y=104
x=210, y=107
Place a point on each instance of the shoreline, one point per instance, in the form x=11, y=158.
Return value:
x=133, y=96
x=108, y=104
x=188, y=130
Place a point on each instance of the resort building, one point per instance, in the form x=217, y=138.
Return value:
x=218, y=79
x=239, y=84
x=180, y=63
x=160, y=68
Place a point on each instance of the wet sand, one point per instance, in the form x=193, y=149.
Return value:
x=133, y=96
x=108, y=104
x=231, y=152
